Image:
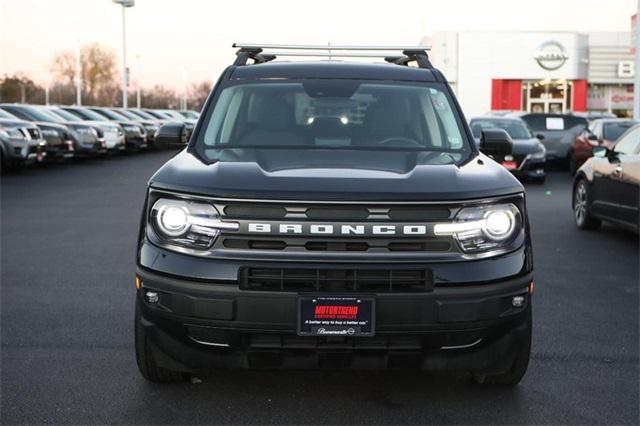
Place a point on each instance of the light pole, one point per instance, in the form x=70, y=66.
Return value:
x=137, y=74
x=636, y=77
x=125, y=71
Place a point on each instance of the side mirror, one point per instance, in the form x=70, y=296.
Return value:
x=540, y=136
x=171, y=135
x=601, y=151
x=496, y=142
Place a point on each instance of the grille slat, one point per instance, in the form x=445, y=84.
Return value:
x=341, y=280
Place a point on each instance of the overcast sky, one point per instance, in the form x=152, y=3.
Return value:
x=193, y=37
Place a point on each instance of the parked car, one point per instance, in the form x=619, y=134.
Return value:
x=557, y=133
x=527, y=160
x=110, y=135
x=601, y=132
x=21, y=143
x=150, y=125
x=171, y=116
x=59, y=145
x=191, y=114
x=84, y=136
x=135, y=136
x=334, y=215
x=607, y=186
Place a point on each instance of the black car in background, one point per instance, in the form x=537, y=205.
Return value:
x=557, y=133
x=527, y=160
x=110, y=135
x=150, y=125
x=21, y=143
x=59, y=145
x=84, y=136
x=607, y=186
x=134, y=134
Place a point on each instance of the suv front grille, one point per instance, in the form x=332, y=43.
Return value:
x=336, y=245
x=337, y=280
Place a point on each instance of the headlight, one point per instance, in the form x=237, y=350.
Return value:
x=540, y=154
x=188, y=224
x=483, y=228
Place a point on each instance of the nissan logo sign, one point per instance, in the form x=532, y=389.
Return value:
x=551, y=55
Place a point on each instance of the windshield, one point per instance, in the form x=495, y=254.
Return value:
x=87, y=114
x=110, y=114
x=335, y=114
x=515, y=128
x=142, y=114
x=612, y=131
x=63, y=114
x=5, y=114
x=159, y=114
x=554, y=123
x=128, y=114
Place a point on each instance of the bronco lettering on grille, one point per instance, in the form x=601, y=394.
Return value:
x=329, y=229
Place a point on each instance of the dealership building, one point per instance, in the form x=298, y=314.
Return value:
x=537, y=71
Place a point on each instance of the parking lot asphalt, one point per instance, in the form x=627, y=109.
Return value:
x=67, y=297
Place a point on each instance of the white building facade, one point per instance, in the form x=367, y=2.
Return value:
x=536, y=71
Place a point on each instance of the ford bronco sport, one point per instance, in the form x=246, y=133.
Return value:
x=333, y=215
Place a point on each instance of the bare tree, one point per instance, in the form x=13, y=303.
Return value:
x=198, y=93
x=98, y=74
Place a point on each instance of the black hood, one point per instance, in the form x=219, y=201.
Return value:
x=330, y=175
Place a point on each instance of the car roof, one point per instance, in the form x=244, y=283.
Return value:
x=613, y=120
x=332, y=69
x=498, y=118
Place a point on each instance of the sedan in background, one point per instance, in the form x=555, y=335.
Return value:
x=601, y=132
x=59, y=145
x=110, y=114
x=21, y=144
x=134, y=135
x=527, y=160
x=84, y=136
x=557, y=133
x=110, y=135
x=607, y=186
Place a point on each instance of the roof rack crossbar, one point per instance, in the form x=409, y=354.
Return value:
x=254, y=51
x=325, y=47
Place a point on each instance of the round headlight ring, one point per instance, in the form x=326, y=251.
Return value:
x=499, y=224
x=172, y=220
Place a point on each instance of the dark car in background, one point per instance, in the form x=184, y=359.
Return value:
x=557, y=133
x=21, y=143
x=110, y=135
x=607, y=186
x=59, y=145
x=84, y=136
x=601, y=132
x=150, y=125
x=527, y=160
x=134, y=134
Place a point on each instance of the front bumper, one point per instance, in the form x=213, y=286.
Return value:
x=212, y=323
x=530, y=169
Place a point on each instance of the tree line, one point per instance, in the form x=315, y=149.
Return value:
x=101, y=84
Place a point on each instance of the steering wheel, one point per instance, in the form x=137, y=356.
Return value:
x=400, y=139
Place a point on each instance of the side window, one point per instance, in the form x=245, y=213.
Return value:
x=628, y=144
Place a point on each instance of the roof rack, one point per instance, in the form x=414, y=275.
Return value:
x=255, y=52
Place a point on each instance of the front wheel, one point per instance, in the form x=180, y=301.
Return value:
x=581, y=214
x=516, y=372
x=144, y=357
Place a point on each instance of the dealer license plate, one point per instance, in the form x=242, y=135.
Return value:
x=336, y=316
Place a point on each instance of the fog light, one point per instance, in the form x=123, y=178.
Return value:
x=516, y=302
x=152, y=297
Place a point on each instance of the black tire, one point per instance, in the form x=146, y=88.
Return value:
x=520, y=363
x=146, y=362
x=581, y=203
x=573, y=164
